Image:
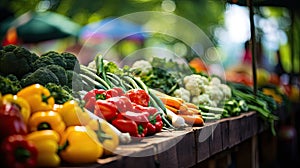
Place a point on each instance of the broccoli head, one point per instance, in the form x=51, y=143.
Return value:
x=42, y=76
x=61, y=94
x=9, y=84
x=72, y=62
x=74, y=80
x=42, y=62
x=57, y=58
x=16, y=60
x=60, y=73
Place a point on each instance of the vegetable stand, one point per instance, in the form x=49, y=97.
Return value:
x=165, y=130
x=195, y=146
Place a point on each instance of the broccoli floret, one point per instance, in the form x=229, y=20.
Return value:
x=42, y=76
x=42, y=62
x=71, y=61
x=60, y=93
x=74, y=80
x=60, y=73
x=57, y=58
x=9, y=85
x=16, y=60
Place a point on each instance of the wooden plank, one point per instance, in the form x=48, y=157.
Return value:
x=186, y=151
x=225, y=134
x=234, y=131
x=202, y=143
x=168, y=158
x=215, y=139
x=143, y=158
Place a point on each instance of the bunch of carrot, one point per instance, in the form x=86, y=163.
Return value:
x=188, y=111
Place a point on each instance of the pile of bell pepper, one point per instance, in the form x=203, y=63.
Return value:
x=36, y=132
x=128, y=111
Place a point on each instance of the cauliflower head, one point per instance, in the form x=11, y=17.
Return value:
x=226, y=90
x=182, y=93
x=203, y=99
x=195, y=84
x=144, y=66
x=215, y=93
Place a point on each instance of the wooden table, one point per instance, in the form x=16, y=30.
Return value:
x=192, y=147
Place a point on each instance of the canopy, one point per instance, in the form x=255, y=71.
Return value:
x=33, y=27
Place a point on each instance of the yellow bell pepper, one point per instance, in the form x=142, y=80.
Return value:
x=73, y=114
x=46, y=120
x=46, y=142
x=38, y=97
x=108, y=137
x=20, y=102
x=80, y=145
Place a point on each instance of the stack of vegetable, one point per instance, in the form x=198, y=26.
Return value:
x=214, y=98
x=58, y=72
x=40, y=133
x=107, y=76
x=128, y=111
x=262, y=103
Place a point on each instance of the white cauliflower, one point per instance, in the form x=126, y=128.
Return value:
x=143, y=65
x=182, y=93
x=214, y=92
x=195, y=84
x=203, y=99
x=226, y=90
x=214, y=81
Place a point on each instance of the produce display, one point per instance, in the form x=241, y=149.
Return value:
x=55, y=111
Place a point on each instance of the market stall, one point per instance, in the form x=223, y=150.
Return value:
x=103, y=115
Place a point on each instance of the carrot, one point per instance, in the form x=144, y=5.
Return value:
x=183, y=109
x=171, y=101
x=174, y=110
x=195, y=120
x=190, y=111
x=191, y=105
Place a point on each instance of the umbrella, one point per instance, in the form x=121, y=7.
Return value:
x=113, y=28
x=33, y=27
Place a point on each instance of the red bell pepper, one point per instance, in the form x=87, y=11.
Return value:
x=18, y=152
x=119, y=90
x=126, y=126
x=156, y=122
x=138, y=96
x=123, y=103
x=139, y=108
x=114, y=92
x=91, y=97
x=137, y=117
x=141, y=119
x=151, y=129
x=106, y=110
x=11, y=121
